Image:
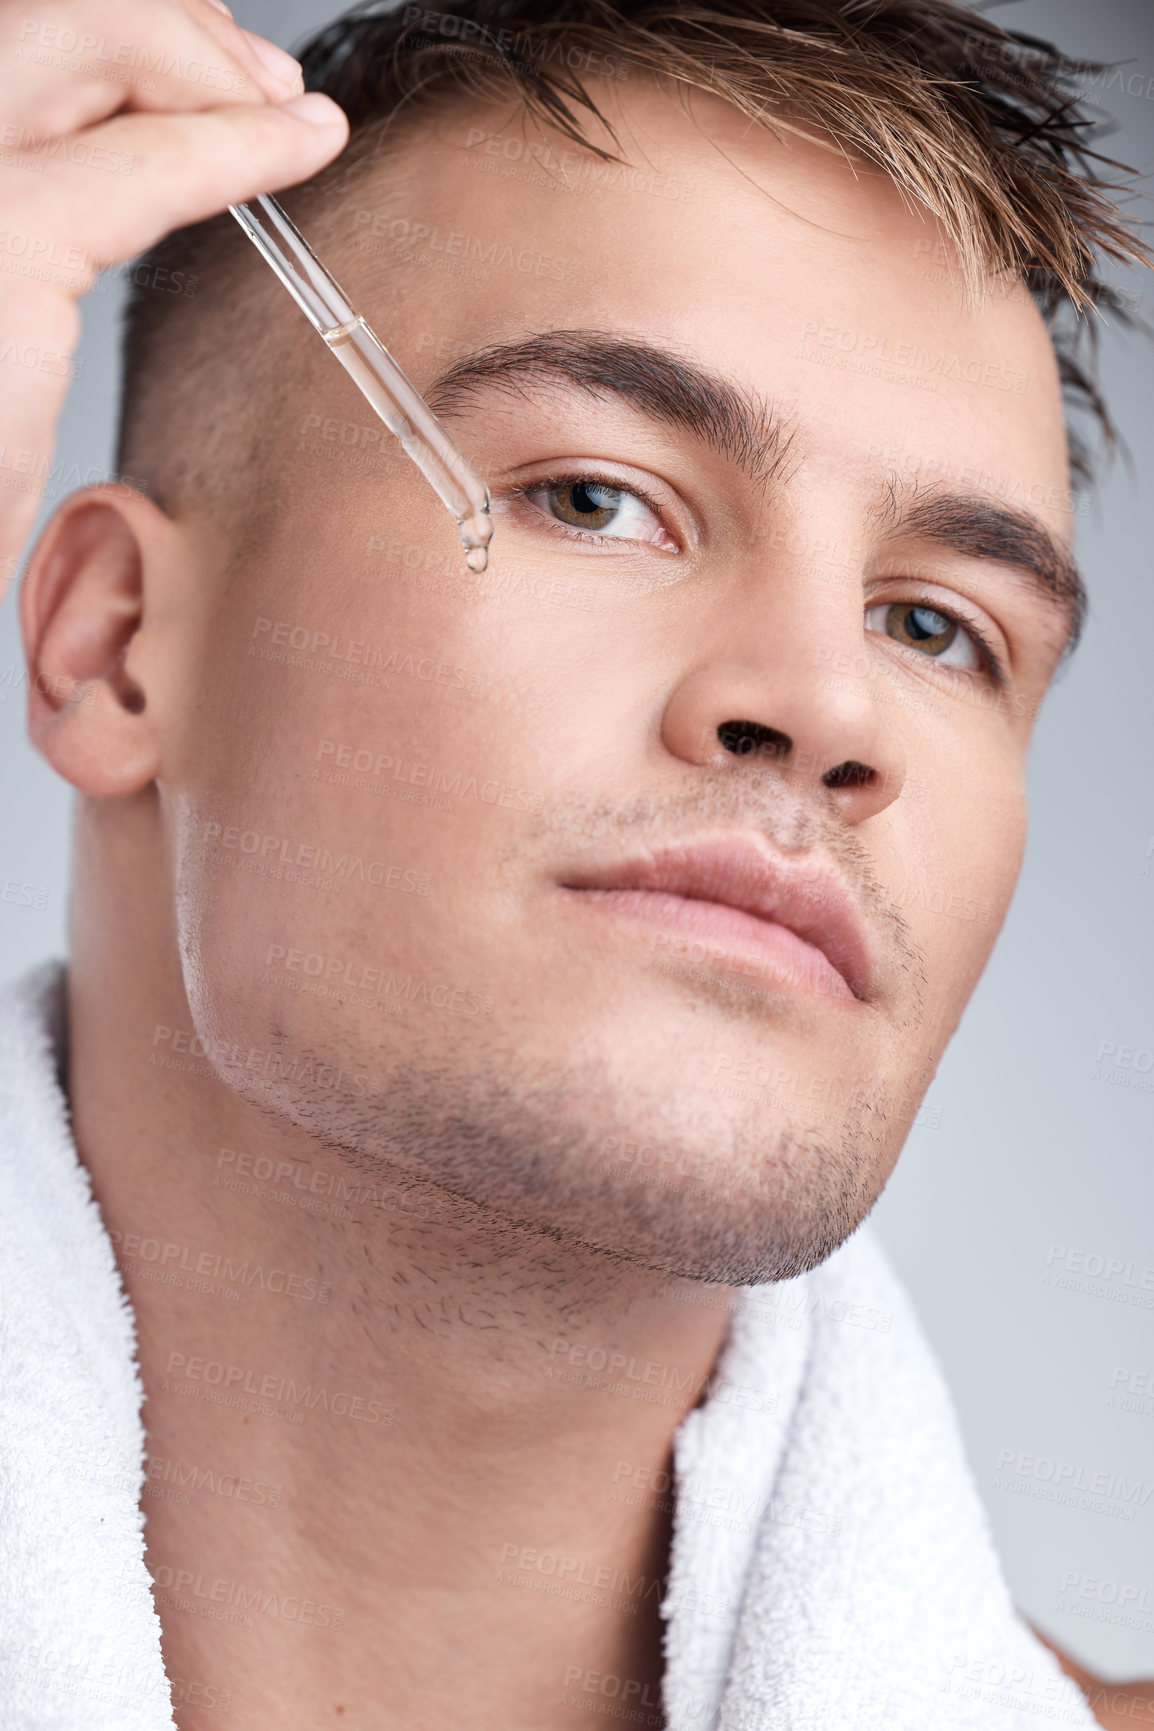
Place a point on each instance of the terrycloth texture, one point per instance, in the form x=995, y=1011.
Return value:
x=79, y=1638
x=832, y=1564
x=831, y=1567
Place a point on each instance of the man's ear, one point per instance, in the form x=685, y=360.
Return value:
x=83, y=617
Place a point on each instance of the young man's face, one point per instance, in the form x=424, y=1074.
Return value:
x=393, y=788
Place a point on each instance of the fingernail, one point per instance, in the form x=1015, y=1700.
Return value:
x=275, y=60
x=315, y=107
x=221, y=7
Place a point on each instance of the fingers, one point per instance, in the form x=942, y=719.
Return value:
x=119, y=121
x=170, y=169
x=38, y=334
x=69, y=63
x=273, y=69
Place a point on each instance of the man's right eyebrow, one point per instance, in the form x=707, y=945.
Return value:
x=663, y=385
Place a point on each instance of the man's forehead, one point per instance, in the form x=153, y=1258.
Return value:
x=778, y=239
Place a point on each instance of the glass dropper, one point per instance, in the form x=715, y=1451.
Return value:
x=374, y=372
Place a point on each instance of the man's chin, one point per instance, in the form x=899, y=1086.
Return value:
x=808, y=1202
x=557, y=1156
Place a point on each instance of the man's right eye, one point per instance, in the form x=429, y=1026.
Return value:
x=590, y=509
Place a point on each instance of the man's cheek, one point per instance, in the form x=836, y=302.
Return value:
x=947, y=855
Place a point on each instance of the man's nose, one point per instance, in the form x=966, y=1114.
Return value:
x=779, y=713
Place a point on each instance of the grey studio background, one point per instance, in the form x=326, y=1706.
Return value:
x=1021, y=1213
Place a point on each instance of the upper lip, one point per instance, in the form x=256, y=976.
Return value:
x=741, y=871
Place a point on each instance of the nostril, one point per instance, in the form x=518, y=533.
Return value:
x=849, y=774
x=744, y=737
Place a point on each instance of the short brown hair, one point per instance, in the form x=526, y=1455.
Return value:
x=981, y=125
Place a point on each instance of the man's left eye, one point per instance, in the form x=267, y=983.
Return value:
x=598, y=510
x=938, y=636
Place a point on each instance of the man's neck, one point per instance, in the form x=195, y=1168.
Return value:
x=387, y=1435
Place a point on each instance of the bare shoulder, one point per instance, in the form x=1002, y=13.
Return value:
x=1118, y=1706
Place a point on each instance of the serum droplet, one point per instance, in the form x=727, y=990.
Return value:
x=476, y=533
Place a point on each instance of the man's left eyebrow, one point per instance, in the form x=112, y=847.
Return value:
x=657, y=381
x=977, y=528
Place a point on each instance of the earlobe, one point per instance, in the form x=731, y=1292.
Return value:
x=82, y=608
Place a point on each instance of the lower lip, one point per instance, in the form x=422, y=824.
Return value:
x=713, y=933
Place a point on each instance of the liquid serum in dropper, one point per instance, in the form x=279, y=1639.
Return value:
x=374, y=372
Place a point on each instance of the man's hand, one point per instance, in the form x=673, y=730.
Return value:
x=1118, y=1706
x=120, y=120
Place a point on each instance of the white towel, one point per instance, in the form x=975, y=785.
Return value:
x=831, y=1566
x=79, y=1637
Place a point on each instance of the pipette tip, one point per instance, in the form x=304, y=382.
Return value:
x=476, y=533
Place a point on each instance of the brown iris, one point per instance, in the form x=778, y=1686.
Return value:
x=920, y=627
x=584, y=504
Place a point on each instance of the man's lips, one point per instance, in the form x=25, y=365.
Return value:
x=737, y=871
